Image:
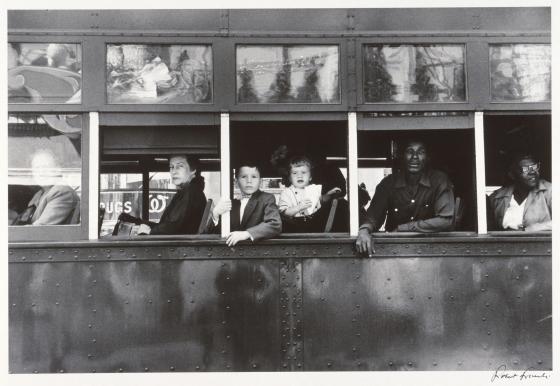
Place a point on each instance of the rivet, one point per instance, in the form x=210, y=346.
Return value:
x=126, y=302
x=90, y=295
x=94, y=282
x=444, y=251
x=390, y=363
x=524, y=251
x=515, y=362
x=539, y=362
x=146, y=369
x=223, y=322
x=412, y=297
x=435, y=363
x=120, y=370
x=57, y=303
x=388, y=297
x=49, y=257
x=32, y=304
x=93, y=370
x=90, y=326
x=227, y=277
x=284, y=365
x=228, y=336
x=168, y=300
x=499, y=251
x=484, y=319
x=13, y=304
x=172, y=368
x=94, y=310
x=23, y=258
x=410, y=363
x=517, y=278
x=254, y=365
x=482, y=290
x=94, y=340
x=150, y=301
x=486, y=275
x=487, y=304
x=354, y=349
x=299, y=365
x=357, y=306
x=359, y=363
x=460, y=363
x=61, y=371
x=452, y=297
x=197, y=367
x=429, y=297
x=450, y=277
x=89, y=355
x=488, y=333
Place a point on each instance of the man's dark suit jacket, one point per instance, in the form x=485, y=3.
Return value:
x=261, y=217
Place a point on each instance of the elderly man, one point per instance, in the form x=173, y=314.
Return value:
x=525, y=203
x=415, y=198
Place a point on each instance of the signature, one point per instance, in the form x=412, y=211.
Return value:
x=530, y=373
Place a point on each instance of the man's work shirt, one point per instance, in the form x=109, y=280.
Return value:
x=425, y=207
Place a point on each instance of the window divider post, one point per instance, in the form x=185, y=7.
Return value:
x=93, y=137
x=353, y=173
x=480, y=172
x=225, y=169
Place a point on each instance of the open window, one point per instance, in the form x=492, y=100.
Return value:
x=134, y=174
x=509, y=140
x=449, y=143
x=45, y=177
x=272, y=144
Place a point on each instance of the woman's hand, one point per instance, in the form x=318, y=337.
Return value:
x=144, y=229
x=306, y=203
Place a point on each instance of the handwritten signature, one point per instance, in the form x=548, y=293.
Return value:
x=530, y=373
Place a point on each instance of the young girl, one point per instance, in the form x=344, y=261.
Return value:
x=300, y=203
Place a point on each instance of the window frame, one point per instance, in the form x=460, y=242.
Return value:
x=71, y=231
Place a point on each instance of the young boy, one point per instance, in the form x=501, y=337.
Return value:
x=255, y=216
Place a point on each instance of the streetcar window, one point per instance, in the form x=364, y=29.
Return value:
x=380, y=154
x=323, y=144
x=44, y=169
x=44, y=73
x=414, y=73
x=159, y=74
x=520, y=72
x=288, y=74
x=510, y=140
x=135, y=173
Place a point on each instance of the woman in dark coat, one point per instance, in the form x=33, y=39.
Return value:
x=185, y=211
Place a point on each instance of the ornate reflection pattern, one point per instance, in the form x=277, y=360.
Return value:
x=44, y=73
x=159, y=74
x=287, y=74
x=414, y=73
x=520, y=72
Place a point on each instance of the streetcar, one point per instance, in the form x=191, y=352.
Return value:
x=111, y=95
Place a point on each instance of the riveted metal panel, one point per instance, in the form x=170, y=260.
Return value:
x=435, y=313
x=137, y=316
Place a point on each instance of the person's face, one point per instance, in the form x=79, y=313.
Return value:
x=248, y=180
x=527, y=173
x=45, y=169
x=300, y=176
x=180, y=170
x=415, y=157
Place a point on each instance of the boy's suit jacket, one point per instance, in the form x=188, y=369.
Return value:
x=261, y=217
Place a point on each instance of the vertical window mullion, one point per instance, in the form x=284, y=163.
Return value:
x=225, y=170
x=93, y=137
x=353, y=173
x=480, y=172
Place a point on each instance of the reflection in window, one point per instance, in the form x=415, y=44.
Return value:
x=414, y=73
x=172, y=74
x=44, y=169
x=44, y=73
x=520, y=72
x=119, y=193
x=287, y=74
